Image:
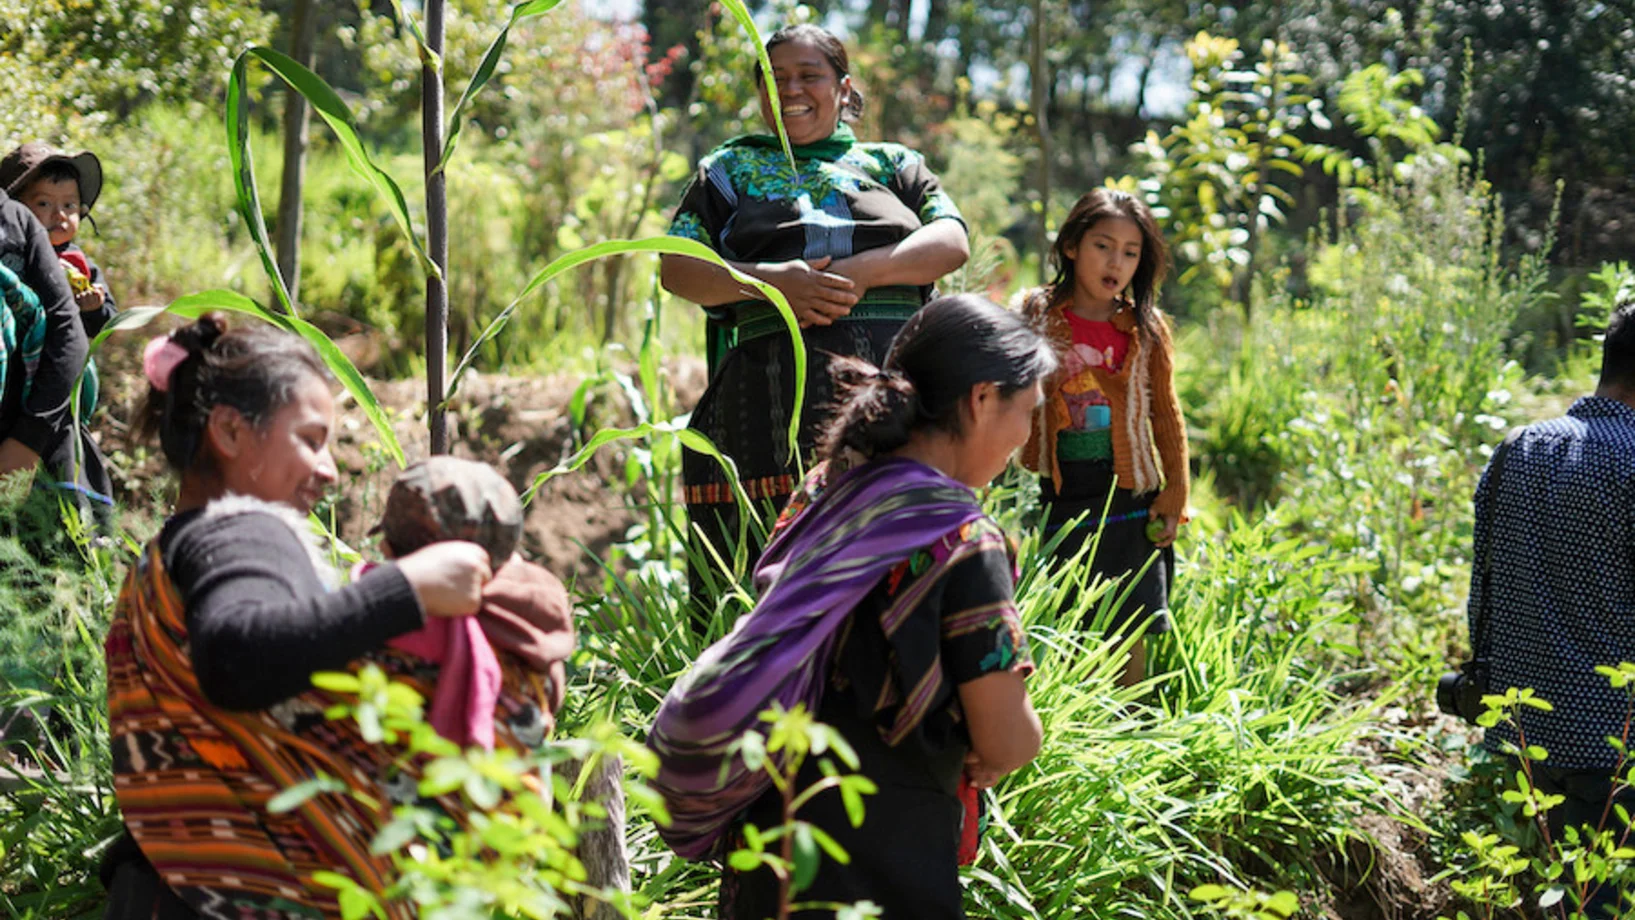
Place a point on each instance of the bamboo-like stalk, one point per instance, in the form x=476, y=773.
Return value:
x=303, y=38
x=1041, y=82
x=431, y=133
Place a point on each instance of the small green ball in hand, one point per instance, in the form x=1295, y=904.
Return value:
x=1155, y=528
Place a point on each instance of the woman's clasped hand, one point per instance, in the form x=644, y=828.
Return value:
x=817, y=296
x=854, y=234
x=447, y=578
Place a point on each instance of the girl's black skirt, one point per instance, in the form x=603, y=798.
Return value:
x=1124, y=549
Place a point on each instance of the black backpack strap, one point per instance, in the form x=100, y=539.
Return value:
x=1478, y=639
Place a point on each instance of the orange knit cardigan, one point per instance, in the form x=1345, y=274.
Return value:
x=1146, y=414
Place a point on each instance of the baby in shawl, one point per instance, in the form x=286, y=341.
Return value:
x=523, y=633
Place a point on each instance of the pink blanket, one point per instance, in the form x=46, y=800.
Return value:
x=462, y=709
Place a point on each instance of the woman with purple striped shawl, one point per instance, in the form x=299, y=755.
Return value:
x=886, y=608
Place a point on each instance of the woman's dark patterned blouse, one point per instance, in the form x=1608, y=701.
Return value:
x=746, y=204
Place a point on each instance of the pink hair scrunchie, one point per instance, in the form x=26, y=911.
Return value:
x=159, y=360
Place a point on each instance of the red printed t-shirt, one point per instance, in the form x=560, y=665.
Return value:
x=1095, y=344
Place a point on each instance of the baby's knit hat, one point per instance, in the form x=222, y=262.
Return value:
x=447, y=498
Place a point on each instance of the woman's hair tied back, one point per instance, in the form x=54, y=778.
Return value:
x=952, y=344
x=253, y=368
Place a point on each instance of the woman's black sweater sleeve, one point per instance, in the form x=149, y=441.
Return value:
x=260, y=621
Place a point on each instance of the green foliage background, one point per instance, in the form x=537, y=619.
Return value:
x=1403, y=317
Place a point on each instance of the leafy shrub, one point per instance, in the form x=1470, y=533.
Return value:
x=71, y=68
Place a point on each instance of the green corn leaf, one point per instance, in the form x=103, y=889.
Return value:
x=691, y=439
x=193, y=306
x=334, y=112
x=248, y=199
x=485, y=72
x=741, y=13
x=427, y=56
x=670, y=245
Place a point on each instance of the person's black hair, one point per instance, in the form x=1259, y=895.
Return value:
x=1618, y=348
x=833, y=50
x=56, y=171
x=1093, y=207
x=952, y=344
x=254, y=368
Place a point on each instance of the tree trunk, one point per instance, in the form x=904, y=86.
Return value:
x=936, y=22
x=1041, y=86
x=303, y=34
x=431, y=138
x=879, y=11
x=1149, y=61
x=900, y=15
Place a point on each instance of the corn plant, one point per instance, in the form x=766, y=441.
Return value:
x=334, y=112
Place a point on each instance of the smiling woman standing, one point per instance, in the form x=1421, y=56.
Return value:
x=855, y=238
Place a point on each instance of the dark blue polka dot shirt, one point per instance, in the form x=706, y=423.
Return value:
x=1562, y=537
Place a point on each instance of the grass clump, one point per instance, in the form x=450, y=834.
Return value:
x=57, y=811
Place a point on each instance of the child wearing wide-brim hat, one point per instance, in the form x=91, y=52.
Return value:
x=60, y=188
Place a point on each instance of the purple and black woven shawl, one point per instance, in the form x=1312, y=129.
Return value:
x=815, y=571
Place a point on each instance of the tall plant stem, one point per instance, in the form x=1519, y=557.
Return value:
x=431, y=133
x=1041, y=102
x=786, y=848
x=303, y=38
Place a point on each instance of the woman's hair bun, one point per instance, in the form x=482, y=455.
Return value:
x=199, y=335
x=952, y=344
x=875, y=412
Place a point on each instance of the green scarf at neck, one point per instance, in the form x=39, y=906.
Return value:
x=828, y=150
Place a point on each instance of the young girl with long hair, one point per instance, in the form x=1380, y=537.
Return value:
x=1111, y=424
